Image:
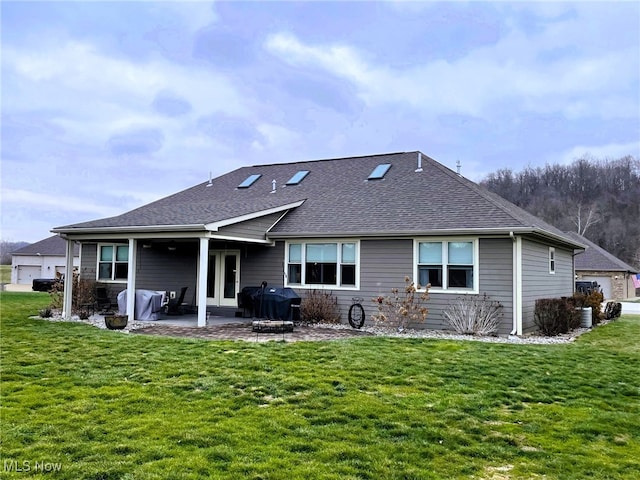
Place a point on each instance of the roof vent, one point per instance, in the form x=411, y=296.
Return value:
x=250, y=180
x=419, y=169
x=380, y=171
x=458, y=167
x=273, y=186
x=210, y=184
x=298, y=177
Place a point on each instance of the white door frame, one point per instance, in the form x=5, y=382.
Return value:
x=218, y=300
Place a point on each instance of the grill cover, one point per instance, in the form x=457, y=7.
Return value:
x=275, y=303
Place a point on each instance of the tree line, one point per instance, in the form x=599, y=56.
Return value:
x=7, y=248
x=599, y=199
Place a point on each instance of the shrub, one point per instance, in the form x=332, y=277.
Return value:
x=402, y=307
x=554, y=316
x=319, y=306
x=593, y=299
x=45, y=313
x=612, y=310
x=474, y=315
x=84, y=293
x=57, y=293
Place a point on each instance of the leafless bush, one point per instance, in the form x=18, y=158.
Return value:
x=83, y=293
x=319, y=306
x=402, y=308
x=474, y=315
x=56, y=293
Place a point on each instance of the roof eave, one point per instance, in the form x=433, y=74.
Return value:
x=128, y=229
x=435, y=232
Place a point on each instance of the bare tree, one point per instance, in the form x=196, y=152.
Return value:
x=584, y=217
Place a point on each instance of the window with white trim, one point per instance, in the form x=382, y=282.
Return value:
x=552, y=260
x=113, y=262
x=328, y=263
x=447, y=264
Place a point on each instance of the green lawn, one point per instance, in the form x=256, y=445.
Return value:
x=104, y=405
x=5, y=273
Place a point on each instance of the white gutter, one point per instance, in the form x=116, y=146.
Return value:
x=516, y=284
x=214, y=226
x=130, y=229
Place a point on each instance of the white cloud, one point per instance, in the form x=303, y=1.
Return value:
x=69, y=203
x=77, y=73
x=199, y=13
x=606, y=151
x=511, y=70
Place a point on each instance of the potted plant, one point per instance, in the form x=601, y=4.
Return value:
x=115, y=321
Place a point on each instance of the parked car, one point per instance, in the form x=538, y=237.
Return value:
x=45, y=284
x=587, y=287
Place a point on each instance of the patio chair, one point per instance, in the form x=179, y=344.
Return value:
x=174, y=307
x=103, y=302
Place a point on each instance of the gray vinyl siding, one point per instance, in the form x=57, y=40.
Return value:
x=251, y=229
x=88, y=270
x=89, y=261
x=537, y=282
x=262, y=263
x=158, y=269
x=162, y=269
x=496, y=277
x=384, y=264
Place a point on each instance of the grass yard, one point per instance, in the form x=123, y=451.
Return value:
x=93, y=404
x=5, y=273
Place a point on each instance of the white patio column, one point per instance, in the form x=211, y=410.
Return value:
x=203, y=261
x=67, y=296
x=131, y=280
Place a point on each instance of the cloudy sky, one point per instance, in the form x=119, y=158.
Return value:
x=107, y=106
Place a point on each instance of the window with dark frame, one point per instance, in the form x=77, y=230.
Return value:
x=446, y=264
x=333, y=264
x=113, y=262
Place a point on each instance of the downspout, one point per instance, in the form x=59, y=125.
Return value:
x=517, y=284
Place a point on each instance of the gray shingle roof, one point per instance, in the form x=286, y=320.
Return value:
x=340, y=200
x=596, y=258
x=49, y=246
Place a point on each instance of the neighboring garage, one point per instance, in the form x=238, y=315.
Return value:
x=26, y=273
x=43, y=259
x=614, y=276
x=603, y=281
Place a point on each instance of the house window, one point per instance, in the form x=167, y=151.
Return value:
x=113, y=262
x=447, y=265
x=552, y=260
x=333, y=264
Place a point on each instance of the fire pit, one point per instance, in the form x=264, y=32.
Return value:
x=272, y=326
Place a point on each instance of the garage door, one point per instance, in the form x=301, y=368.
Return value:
x=26, y=273
x=604, y=282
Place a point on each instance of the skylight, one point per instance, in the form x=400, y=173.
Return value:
x=250, y=180
x=298, y=177
x=380, y=171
